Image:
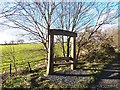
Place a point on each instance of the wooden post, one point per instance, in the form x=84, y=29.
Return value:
x=50, y=55
x=73, y=53
x=10, y=69
x=29, y=67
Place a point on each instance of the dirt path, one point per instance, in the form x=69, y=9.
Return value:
x=109, y=78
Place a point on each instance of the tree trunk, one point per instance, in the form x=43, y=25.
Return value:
x=63, y=48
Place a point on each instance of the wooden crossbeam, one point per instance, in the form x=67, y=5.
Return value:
x=65, y=63
x=62, y=58
x=62, y=32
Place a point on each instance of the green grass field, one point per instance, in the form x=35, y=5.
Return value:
x=24, y=53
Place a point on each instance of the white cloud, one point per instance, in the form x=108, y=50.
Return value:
x=6, y=37
x=109, y=26
x=112, y=12
x=10, y=34
x=91, y=11
x=105, y=16
x=102, y=18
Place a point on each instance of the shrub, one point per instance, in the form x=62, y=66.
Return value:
x=104, y=52
x=107, y=49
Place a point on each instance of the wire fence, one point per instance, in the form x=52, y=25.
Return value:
x=29, y=65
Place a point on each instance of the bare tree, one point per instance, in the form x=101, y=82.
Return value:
x=33, y=17
x=5, y=42
x=12, y=56
x=76, y=16
x=12, y=42
x=37, y=18
x=20, y=41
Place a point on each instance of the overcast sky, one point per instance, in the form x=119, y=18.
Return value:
x=8, y=34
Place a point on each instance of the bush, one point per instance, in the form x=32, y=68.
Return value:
x=105, y=52
x=107, y=49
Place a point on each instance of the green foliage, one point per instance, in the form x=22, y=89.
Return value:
x=16, y=82
x=103, y=52
x=107, y=49
x=58, y=49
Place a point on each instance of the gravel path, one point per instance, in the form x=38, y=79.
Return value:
x=109, y=78
x=69, y=77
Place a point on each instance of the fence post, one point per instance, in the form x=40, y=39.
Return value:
x=29, y=66
x=10, y=69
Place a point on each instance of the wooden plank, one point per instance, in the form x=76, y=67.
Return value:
x=50, y=55
x=62, y=58
x=65, y=63
x=62, y=32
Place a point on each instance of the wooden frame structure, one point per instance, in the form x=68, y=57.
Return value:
x=73, y=35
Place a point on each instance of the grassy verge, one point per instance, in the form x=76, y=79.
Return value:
x=35, y=79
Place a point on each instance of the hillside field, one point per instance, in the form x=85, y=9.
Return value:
x=24, y=53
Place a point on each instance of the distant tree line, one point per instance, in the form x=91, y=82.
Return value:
x=19, y=41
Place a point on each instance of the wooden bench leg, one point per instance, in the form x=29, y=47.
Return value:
x=73, y=53
x=50, y=55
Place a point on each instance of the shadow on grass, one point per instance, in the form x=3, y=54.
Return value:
x=110, y=72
